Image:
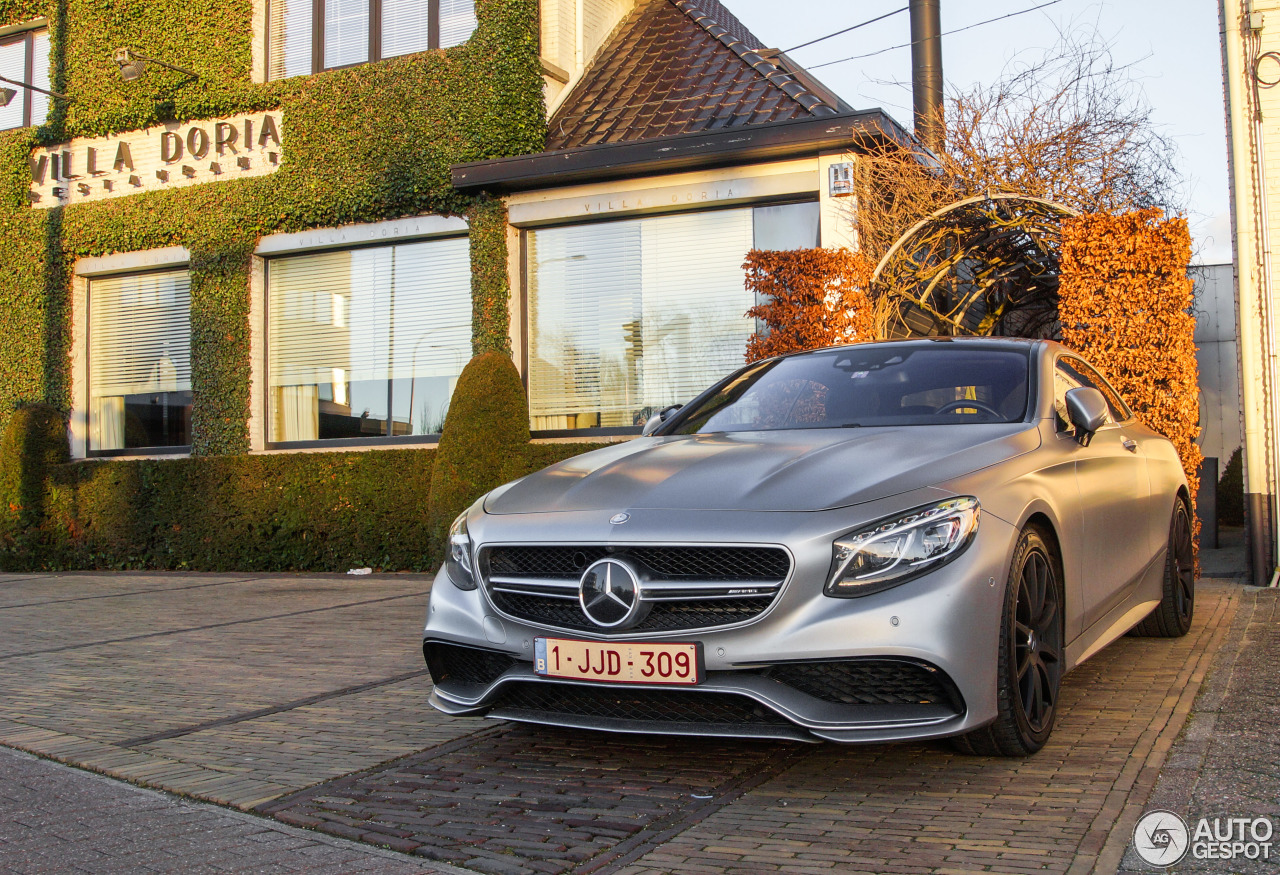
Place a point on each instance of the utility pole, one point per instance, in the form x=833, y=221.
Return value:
x=926, y=71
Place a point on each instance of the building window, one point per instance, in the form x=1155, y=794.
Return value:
x=25, y=57
x=366, y=343
x=140, y=361
x=307, y=36
x=630, y=316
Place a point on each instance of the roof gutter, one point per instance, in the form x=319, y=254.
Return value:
x=705, y=150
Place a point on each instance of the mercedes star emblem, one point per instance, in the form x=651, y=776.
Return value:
x=609, y=592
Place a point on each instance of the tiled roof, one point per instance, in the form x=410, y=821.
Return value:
x=678, y=67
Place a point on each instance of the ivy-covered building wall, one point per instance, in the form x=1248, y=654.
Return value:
x=363, y=143
x=360, y=144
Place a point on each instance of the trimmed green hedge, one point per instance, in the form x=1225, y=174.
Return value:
x=279, y=512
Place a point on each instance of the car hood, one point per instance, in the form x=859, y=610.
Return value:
x=795, y=470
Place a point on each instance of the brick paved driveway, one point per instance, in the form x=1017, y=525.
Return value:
x=252, y=691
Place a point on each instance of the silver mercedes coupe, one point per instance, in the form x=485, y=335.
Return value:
x=869, y=543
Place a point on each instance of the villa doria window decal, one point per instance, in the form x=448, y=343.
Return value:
x=307, y=36
x=627, y=317
x=24, y=57
x=140, y=361
x=366, y=343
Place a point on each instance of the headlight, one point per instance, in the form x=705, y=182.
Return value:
x=894, y=550
x=457, y=557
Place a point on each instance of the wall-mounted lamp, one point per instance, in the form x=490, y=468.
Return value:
x=8, y=94
x=133, y=65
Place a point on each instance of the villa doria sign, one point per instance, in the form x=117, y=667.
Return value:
x=170, y=156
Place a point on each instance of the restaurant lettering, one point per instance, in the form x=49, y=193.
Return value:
x=169, y=156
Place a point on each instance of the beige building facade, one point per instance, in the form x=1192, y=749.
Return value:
x=1251, y=63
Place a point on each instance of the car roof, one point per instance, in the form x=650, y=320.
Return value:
x=1020, y=344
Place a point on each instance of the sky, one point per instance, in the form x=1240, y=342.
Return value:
x=1172, y=48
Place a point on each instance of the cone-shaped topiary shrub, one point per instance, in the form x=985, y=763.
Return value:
x=34, y=441
x=485, y=438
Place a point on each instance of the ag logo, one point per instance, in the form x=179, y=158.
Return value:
x=1161, y=838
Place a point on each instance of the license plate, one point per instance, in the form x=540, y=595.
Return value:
x=617, y=662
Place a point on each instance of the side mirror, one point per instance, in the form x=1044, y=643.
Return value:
x=658, y=418
x=1087, y=409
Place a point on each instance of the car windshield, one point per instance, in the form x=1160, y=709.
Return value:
x=872, y=385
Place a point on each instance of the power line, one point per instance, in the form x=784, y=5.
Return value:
x=847, y=29
x=947, y=33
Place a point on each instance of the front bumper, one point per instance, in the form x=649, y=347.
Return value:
x=916, y=661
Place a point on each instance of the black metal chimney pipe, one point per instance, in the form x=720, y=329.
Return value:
x=926, y=71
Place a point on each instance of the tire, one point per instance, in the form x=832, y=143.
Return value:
x=1172, y=617
x=1030, y=665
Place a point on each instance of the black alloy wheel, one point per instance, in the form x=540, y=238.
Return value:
x=1172, y=617
x=1037, y=641
x=1030, y=667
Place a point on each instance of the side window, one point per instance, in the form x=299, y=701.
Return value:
x=1064, y=380
x=1087, y=376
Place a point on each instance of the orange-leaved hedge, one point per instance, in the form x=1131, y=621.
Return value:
x=1125, y=304
x=809, y=298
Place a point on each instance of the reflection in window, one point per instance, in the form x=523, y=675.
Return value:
x=307, y=36
x=787, y=226
x=628, y=317
x=24, y=57
x=880, y=385
x=367, y=343
x=140, y=361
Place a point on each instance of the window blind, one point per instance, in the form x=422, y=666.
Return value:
x=405, y=27
x=39, y=76
x=139, y=344
x=13, y=65
x=627, y=317
x=289, y=38
x=346, y=32
x=140, y=333
x=390, y=313
x=457, y=21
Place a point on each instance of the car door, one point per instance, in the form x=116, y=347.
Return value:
x=1115, y=495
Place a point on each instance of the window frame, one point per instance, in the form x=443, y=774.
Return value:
x=1115, y=403
x=629, y=430
x=28, y=38
x=375, y=36
x=385, y=441
x=133, y=452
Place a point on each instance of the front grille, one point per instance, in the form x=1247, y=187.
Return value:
x=684, y=587
x=739, y=564
x=669, y=706
x=664, y=616
x=468, y=665
x=870, y=682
